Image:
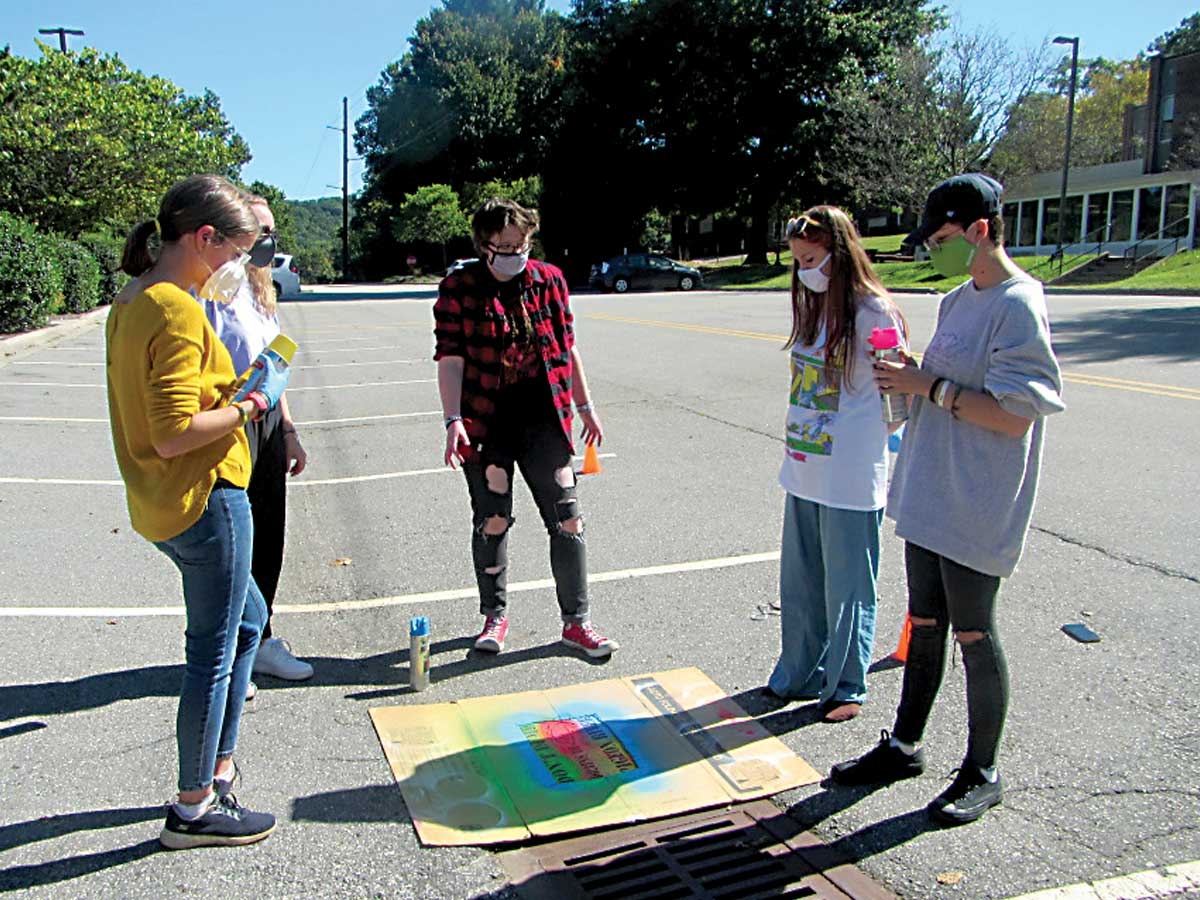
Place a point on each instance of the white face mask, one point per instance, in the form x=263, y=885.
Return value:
x=814, y=279
x=223, y=284
x=509, y=265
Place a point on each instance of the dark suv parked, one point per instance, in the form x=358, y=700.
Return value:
x=646, y=271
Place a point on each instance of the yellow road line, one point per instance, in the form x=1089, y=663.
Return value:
x=1104, y=381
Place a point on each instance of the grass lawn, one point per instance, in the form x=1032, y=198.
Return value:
x=1180, y=272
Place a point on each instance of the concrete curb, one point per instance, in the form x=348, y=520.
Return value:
x=14, y=346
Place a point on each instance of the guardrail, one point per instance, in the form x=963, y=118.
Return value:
x=1155, y=244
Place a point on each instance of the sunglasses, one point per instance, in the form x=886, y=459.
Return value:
x=263, y=251
x=798, y=228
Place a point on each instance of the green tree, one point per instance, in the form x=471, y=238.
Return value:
x=1184, y=39
x=282, y=210
x=431, y=214
x=86, y=142
x=1036, y=134
x=715, y=104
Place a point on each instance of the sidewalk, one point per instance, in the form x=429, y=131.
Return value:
x=14, y=346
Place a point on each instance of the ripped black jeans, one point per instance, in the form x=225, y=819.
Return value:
x=540, y=451
x=958, y=598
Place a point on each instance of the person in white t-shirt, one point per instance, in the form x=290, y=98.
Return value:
x=834, y=467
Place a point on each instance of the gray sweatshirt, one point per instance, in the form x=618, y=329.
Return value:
x=960, y=490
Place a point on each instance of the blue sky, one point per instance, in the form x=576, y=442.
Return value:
x=281, y=69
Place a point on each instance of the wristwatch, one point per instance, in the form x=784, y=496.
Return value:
x=243, y=415
x=450, y=420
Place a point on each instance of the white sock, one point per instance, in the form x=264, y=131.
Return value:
x=191, y=811
x=989, y=773
x=906, y=749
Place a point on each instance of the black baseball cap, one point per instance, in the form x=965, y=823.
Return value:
x=963, y=199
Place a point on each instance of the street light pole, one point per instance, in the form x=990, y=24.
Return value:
x=62, y=35
x=1062, y=198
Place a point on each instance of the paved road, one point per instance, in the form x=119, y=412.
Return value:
x=1103, y=744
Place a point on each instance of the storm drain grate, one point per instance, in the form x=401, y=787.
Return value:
x=742, y=853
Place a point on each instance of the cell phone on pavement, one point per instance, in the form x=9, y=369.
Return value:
x=1081, y=633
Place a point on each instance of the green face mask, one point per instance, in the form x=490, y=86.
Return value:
x=953, y=257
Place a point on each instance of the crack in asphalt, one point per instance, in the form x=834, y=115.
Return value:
x=1119, y=557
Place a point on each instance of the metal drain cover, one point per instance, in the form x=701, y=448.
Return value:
x=742, y=853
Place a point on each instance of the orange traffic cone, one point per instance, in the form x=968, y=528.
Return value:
x=591, y=461
x=901, y=653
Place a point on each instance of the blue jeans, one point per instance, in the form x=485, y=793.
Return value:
x=828, y=569
x=225, y=617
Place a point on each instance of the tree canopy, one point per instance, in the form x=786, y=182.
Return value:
x=86, y=142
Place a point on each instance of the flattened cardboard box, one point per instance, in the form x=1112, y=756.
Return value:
x=506, y=768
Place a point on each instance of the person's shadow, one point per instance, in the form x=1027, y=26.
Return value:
x=19, y=834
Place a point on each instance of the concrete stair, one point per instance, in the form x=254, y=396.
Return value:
x=1104, y=269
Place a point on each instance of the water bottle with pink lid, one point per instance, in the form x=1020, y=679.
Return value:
x=885, y=344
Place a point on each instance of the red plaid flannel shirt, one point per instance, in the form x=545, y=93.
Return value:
x=469, y=322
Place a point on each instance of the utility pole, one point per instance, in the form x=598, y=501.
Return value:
x=345, y=130
x=62, y=35
x=1062, y=197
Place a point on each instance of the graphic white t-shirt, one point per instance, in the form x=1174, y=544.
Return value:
x=835, y=449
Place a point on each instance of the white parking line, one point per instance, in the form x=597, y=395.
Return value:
x=309, y=351
x=311, y=422
x=128, y=612
x=55, y=384
x=302, y=483
x=1151, y=884
x=360, y=384
x=377, y=362
x=291, y=390
x=61, y=365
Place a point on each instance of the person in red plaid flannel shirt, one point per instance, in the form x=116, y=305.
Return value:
x=508, y=374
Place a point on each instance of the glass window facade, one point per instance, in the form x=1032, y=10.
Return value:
x=1072, y=220
x=1050, y=221
x=1150, y=201
x=1122, y=216
x=1097, y=219
x=1178, y=202
x=1009, y=212
x=1028, y=225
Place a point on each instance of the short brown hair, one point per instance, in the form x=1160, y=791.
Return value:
x=497, y=214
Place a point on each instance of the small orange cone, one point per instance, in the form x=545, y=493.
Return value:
x=591, y=461
x=901, y=653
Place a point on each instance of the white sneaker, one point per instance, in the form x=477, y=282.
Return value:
x=251, y=690
x=275, y=658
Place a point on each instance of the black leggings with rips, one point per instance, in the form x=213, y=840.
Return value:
x=961, y=598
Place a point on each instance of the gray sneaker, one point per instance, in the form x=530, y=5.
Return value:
x=224, y=824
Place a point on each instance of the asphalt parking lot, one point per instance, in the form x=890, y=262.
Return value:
x=1102, y=746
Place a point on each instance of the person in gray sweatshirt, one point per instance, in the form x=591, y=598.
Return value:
x=964, y=485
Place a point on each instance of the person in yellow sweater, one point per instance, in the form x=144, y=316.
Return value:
x=183, y=455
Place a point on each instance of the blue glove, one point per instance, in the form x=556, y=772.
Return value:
x=269, y=377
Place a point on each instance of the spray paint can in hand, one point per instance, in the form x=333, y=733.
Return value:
x=885, y=344
x=418, y=653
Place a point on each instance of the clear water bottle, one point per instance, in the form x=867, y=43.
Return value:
x=418, y=653
x=885, y=344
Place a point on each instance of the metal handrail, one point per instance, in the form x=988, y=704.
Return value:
x=1059, y=255
x=1132, y=255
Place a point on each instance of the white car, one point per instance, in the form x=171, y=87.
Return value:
x=285, y=276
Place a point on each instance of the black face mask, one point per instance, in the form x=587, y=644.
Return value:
x=263, y=251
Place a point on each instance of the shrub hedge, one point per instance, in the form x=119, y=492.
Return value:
x=44, y=274
x=31, y=279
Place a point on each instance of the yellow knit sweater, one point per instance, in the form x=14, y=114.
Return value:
x=164, y=365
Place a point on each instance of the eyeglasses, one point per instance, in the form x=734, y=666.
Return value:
x=798, y=228
x=932, y=243
x=508, y=249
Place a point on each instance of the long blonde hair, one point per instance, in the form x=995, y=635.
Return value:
x=261, y=284
x=851, y=277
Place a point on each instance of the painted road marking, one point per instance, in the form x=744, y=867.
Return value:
x=303, y=483
x=1151, y=884
x=291, y=390
x=377, y=362
x=1121, y=384
x=309, y=423
x=113, y=612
